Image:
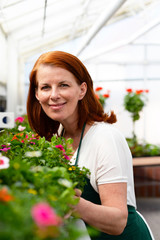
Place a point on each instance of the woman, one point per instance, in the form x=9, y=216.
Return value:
x=61, y=94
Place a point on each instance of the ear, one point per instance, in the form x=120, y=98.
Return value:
x=36, y=94
x=83, y=90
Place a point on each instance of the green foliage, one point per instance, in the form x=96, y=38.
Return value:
x=142, y=149
x=39, y=171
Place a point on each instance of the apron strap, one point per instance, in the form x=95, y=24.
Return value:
x=76, y=162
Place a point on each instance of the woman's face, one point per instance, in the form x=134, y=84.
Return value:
x=59, y=93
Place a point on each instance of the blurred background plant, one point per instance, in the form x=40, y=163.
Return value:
x=142, y=149
x=102, y=96
x=37, y=183
x=134, y=102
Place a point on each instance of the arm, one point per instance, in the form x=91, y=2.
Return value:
x=111, y=216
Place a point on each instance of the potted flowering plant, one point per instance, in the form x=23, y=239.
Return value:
x=37, y=183
x=102, y=96
x=134, y=102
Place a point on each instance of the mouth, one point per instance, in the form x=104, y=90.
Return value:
x=56, y=106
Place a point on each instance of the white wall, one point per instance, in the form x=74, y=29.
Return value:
x=3, y=61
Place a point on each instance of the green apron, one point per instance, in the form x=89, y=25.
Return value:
x=136, y=229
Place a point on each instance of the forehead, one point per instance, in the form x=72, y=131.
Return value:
x=52, y=72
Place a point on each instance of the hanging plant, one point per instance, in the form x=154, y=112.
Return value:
x=134, y=101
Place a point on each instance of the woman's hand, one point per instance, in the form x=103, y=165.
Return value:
x=78, y=192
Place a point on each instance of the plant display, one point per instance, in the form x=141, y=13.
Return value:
x=102, y=97
x=142, y=149
x=37, y=183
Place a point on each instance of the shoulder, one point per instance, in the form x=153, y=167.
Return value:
x=106, y=129
x=106, y=134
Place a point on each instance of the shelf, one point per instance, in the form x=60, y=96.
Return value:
x=146, y=161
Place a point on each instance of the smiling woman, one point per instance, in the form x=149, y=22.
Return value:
x=61, y=97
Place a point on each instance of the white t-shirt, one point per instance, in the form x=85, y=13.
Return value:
x=105, y=152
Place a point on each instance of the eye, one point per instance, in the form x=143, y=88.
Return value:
x=64, y=85
x=45, y=87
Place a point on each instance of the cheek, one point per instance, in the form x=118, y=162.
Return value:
x=73, y=98
x=74, y=95
x=42, y=96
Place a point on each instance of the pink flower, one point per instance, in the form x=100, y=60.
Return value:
x=21, y=128
x=66, y=156
x=19, y=119
x=4, y=162
x=44, y=215
x=147, y=90
x=5, y=149
x=60, y=147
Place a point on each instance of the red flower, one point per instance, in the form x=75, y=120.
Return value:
x=4, y=196
x=106, y=95
x=129, y=90
x=147, y=91
x=98, y=89
x=139, y=91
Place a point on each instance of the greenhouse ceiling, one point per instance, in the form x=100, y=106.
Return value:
x=36, y=25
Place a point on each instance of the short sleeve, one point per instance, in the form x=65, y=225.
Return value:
x=112, y=157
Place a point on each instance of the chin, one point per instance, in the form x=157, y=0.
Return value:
x=56, y=118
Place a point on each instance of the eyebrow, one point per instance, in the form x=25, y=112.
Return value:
x=43, y=83
x=46, y=83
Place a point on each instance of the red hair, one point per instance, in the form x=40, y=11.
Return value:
x=89, y=108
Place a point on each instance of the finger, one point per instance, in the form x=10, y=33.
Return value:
x=78, y=192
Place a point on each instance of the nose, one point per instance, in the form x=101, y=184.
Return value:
x=54, y=93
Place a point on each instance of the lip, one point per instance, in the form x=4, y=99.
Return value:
x=56, y=106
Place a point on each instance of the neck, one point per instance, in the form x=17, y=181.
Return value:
x=71, y=129
x=72, y=132
x=75, y=134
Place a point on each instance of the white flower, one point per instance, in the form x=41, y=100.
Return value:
x=4, y=162
x=21, y=128
x=33, y=154
x=64, y=182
